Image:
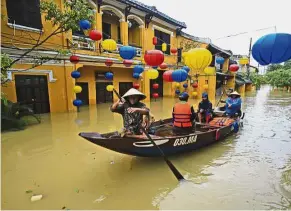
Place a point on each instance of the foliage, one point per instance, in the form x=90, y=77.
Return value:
x=279, y=78
x=273, y=67
x=188, y=45
x=258, y=79
x=5, y=62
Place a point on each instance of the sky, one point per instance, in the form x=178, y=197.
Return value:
x=219, y=18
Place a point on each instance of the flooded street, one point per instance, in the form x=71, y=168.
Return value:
x=249, y=170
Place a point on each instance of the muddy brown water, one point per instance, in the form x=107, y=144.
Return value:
x=249, y=170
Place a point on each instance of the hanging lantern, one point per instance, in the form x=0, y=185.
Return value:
x=108, y=62
x=209, y=70
x=138, y=69
x=272, y=49
x=155, y=67
x=155, y=86
x=205, y=86
x=109, y=75
x=87, y=32
x=127, y=52
x=95, y=35
x=177, y=91
x=179, y=75
x=136, y=85
x=174, y=50
x=155, y=40
x=164, y=47
x=167, y=76
x=195, y=85
x=109, y=88
x=109, y=45
x=77, y=89
x=77, y=102
x=84, y=24
x=219, y=60
x=243, y=61
x=198, y=58
x=75, y=74
x=186, y=68
x=74, y=59
x=163, y=66
x=135, y=75
x=154, y=57
x=185, y=86
x=194, y=94
x=177, y=85
x=152, y=74
x=155, y=95
x=127, y=63
x=233, y=67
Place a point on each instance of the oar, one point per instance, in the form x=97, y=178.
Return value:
x=177, y=174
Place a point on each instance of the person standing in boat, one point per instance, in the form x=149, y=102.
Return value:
x=233, y=104
x=132, y=111
x=183, y=116
x=205, y=109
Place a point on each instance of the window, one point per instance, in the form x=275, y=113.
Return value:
x=106, y=30
x=24, y=13
x=163, y=38
x=118, y=34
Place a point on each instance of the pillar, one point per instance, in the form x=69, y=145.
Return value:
x=98, y=26
x=142, y=36
x=124, y=31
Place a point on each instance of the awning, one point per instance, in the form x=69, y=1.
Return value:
x=216, y=50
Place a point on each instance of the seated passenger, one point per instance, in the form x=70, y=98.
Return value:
x=205, y=109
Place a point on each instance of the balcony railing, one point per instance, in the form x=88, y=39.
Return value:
x=83, y=43
x=138, y=50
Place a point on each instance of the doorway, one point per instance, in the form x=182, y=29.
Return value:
x=124, y=87
x=102, y=95
x=32, y=91
x=84, y=95
x=159, y=81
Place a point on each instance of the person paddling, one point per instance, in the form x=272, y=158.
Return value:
x=233, y=104
x=132, y=111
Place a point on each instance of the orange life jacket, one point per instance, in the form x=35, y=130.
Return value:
x=182, y=114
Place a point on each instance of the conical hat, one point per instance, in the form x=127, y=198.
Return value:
x=132, y=92
x=235, y=93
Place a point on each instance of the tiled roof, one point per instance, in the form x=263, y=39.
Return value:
x=154, y=11
x=198, y=39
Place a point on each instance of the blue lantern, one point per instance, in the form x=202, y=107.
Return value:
x=135, y=75
x=109, y=75
x=127, y=52
x=219, y=60
x=179, y=75
x=138, y=69
x=186, y=68
x=84, y=24
x=272, y=49
x=177, y=91
x=75, y=74
x=185, y=86
x=77, y=102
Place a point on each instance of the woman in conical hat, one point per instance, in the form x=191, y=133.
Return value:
x=235, y=94
x=233, y=104
x=132, y=111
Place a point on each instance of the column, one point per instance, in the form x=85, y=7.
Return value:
x=124, y=31
x=98, y=26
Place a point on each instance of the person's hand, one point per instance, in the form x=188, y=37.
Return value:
x=121, y=102
x=132, y=110
x=201, y=110
x=229, y=106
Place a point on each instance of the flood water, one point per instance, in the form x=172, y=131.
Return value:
x=249, y=170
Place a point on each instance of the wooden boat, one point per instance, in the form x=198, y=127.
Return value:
x=216, y=130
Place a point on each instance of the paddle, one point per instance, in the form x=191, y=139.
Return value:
x=177, y=174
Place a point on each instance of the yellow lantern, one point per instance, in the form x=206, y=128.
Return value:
x=109, y=45
x=205, y=86
x=109, y=88
x=152, y=74
x=209, y=70
x=77, y=89
x=194, y=94
x=164, y=47
x=87, y=32
x=198, y=58
x=177, y=85
x=243, y=61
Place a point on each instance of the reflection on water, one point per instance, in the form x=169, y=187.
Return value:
x=250, y=170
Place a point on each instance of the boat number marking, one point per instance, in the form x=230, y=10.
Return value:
x=185, y=141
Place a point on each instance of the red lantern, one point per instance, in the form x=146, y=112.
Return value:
x=195, y=85
x=155, y=86
x=154, y=57
x=163, y=66
x=108, y=62
x=74, y=59
x=174, y=50
x=167, y=76
x=155, y=40
x=155, y=95
x=127, y=63
x=136, y=85
x=95, y=35
x=233, y=67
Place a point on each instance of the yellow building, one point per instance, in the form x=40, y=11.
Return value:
x=49, y=87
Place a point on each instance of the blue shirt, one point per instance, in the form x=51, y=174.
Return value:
x=235, y=105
